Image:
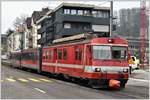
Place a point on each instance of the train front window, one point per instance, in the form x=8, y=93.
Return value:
x=119, y=52
x=101, y=52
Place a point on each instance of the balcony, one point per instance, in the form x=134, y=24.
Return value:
x=88, y=19
x=41, y=30
x=40, y=41
x=77, y=18
x=74, y=31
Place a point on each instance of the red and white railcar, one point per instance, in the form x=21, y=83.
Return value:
x=30, y=58
x=98, y=60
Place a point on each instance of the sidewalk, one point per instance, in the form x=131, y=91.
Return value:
x=140, y=74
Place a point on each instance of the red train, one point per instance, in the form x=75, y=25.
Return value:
x=99, y=61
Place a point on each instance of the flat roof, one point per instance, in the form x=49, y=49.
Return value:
x=81, y=5
x=73, y=5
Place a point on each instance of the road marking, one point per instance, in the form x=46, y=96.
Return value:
x=35, y=80
x=139, y=80
x=57, y=80
x=10, y=79
x=22, y=80
x=39, y=90
x=45, y=80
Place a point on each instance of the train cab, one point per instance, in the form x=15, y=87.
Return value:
x=106, y=60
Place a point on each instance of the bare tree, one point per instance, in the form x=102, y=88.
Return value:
x=19, y=21
x=19, y=25
x=9, y=31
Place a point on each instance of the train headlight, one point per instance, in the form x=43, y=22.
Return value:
x=125, y=70
x=97, y=69
x=110, y=40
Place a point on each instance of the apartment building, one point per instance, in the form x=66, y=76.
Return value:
x=10, y=43
x=70, y=19
x=31, y=27
x=3, y=44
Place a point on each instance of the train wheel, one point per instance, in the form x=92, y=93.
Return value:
x=94, y=83
x=122, y=85
x=20, y=67
x=39, y=71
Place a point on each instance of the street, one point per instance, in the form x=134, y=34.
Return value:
x=20, y=84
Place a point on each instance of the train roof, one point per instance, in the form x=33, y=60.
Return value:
x=93, y=41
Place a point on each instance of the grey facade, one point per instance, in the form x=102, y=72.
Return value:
x=3, y=44
x=134, y=46
x=71, y=19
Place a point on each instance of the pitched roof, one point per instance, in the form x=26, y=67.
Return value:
x=36, y=15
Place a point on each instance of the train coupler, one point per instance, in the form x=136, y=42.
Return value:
x=114, y=83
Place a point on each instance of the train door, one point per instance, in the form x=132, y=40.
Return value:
x=56, y=60
x=20, y=60
x=78, y=56
x=88, y=55
x=79, y=59
x=39, y=58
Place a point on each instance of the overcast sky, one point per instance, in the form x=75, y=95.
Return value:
x=13, y=9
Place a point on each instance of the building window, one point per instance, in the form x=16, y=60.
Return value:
x=67, y=25
x=86, y=12
x=94, y=13
x=80, y=12
x=65, y=54
x=105, y=14
x=100, y=28
x=99, y=14
x=85, y=27
x=102, y=14
x=73, y=11
x=66, y=11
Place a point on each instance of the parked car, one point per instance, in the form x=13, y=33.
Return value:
x=4, y=57
x=134, y=63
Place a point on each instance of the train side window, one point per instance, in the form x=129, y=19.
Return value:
x=46, y=55
x=35, y=56
x=24, y=56
x=29, y=56
x=78, y=54
x=65, y=54
x=50, y=55
x=59, y=54
x=43, y=54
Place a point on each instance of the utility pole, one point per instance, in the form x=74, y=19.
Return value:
x=111, y=18
x=143, y=32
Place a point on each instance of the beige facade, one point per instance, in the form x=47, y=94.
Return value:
x=34, y=34
x=13, y=42
x=10, y=45
x=16, y=41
